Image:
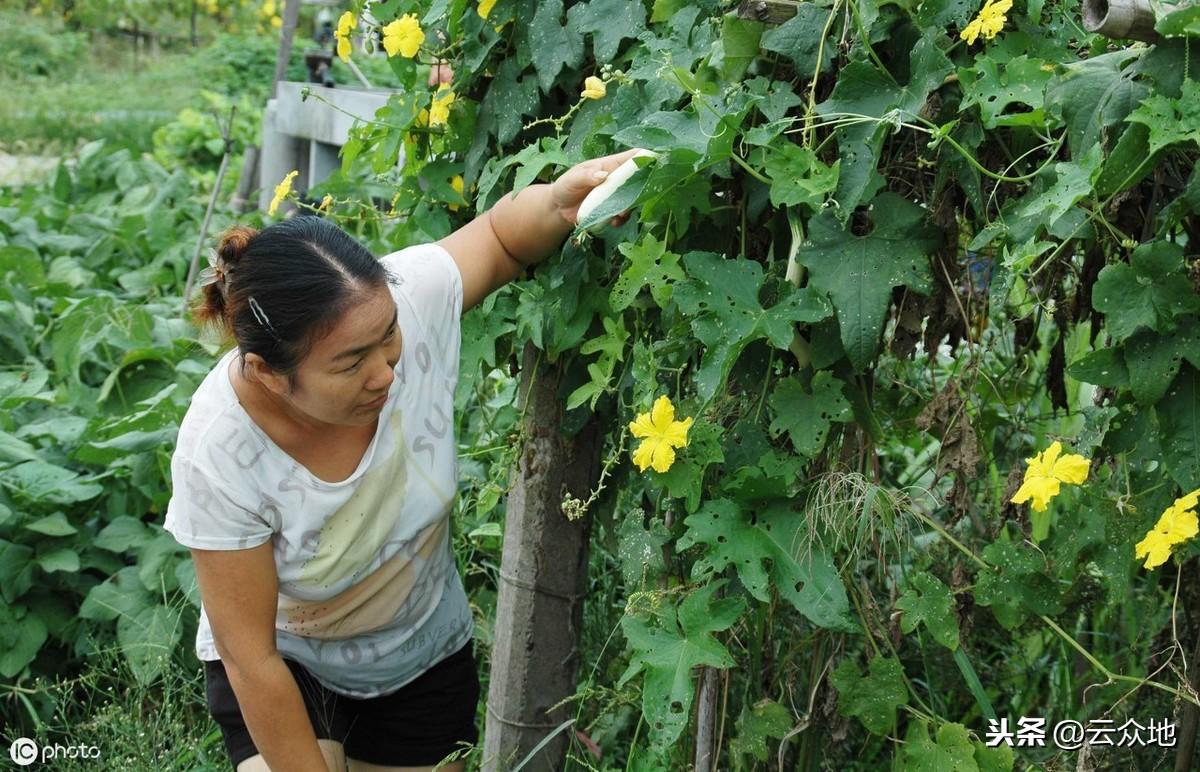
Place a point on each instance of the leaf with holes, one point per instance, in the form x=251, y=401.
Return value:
x=552, y=44
x=722, y=297
x=667, y=649
x=873, y=698
x=993, y=87
x=1149, y=291
x=859, y=272
x=1019, y=582
x=1171, y=121
x=767, y=719
x=640, y=549
x=651, y=265
x=799, y=177
x=807, y=414
x=773, y=552
x=1179, y=417
x=928, y=600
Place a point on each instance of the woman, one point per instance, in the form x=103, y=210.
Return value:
x=314, y=477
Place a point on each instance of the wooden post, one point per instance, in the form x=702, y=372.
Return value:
x=768, y=11
x=543, y=572
x=287, y=33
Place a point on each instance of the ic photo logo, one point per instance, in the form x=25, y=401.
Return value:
x=24, y=752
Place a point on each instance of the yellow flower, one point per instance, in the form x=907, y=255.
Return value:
x=1177, y=524
x=988, y=23
x=485, y=7
x=457, y=183
x=403, y=36
x=268, y=8
x=1155, y=548
x=325, y=203
x=439, y=109
x=345, y=26
x=276, y=22
x=282, y=191
x=661, y=433
x=1044, y=474
x=594, y=88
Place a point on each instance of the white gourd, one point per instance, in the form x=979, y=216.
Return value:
x=615, y=180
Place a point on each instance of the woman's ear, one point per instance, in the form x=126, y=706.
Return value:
x=257, y=369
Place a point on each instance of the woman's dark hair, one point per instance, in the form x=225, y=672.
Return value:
x=279, y=290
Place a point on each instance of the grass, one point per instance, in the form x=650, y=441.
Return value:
x=106, y=99
x=135, y=727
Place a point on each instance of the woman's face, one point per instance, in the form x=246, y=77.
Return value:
x=346, y=375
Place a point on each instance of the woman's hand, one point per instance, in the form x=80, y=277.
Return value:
x=573, y=185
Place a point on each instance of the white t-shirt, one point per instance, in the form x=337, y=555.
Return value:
x=369, y=593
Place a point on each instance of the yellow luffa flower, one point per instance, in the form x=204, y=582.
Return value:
x=1046, y=471
x=1177, y=524
x=594, y=88
x=661, y=434
x=485, y=7
x=403, y=36
x=282, y=191
x=325, y=203
x=439, y=109
x=457, y=183
x=988, y=23
x=345, y=26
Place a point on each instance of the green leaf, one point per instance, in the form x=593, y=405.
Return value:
x=927, y=600
x=64, y=559
x=13, y=450
x=872, y=699
x=993, y=87
x=1150, y=290
x=1182, y=21
x=864, y=90
x=21, y=637
x=640, y=549
x=859, y=272
x=667, y=131
x=806, y=415
x=798, y=177
x=757, y=724
x=1153, y=361
x=773, y=551
x=666, y=651
x=43, y=482
x=1073, y=182
x=1171, y=120
x=120, y=595
x=1105, y=367
x=722, y=297
x=553, y=45
x=16, y=570
x=1179, y=419
x=951, y=749
x=610, y=22
x=1018, y=583
x=53, y=525
x=148, y=639
x=739, y=45
x=799, y=39
x=1094, y=94
x=650, y=265
x=686, y=476
x=123, y=534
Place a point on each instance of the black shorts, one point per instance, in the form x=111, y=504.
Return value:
x=418, y=725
